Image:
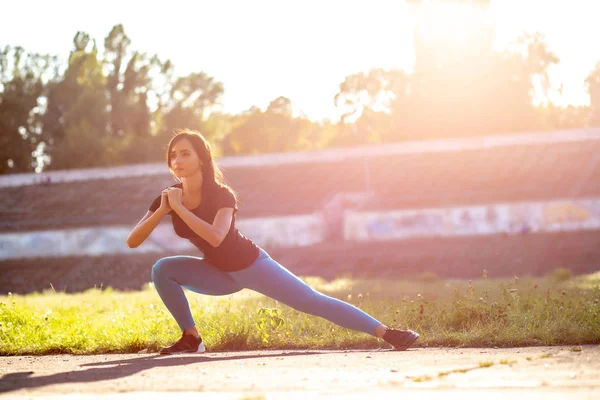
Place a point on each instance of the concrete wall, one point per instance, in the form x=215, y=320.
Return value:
x=510, y=218
x=307, y=230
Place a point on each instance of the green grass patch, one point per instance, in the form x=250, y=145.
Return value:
x=455, y=371
x=449, y=313
x=422, y=378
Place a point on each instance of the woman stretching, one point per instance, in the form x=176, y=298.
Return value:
x=203, y=211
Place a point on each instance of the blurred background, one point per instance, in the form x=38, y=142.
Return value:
x=379, y=138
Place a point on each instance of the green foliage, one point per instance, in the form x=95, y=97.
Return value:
x=592, y=83
x=519, y=312
x=561, y=274
x=122, y=105
x=427, y=276
x=24, y=79
x=469, y=86
x=77, y=114
x=274, y=130
x=270, y=320
x=118, y=107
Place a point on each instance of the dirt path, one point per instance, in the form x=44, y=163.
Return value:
x=534, y=372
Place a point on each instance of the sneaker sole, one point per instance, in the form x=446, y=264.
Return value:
x=201, y=349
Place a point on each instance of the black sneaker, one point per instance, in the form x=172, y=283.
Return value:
x=400, y=339
x=187, y=344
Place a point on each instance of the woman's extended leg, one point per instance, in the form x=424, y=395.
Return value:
x=268, y=277
x=170, y=274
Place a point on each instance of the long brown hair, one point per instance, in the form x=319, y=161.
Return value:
x=211, y=173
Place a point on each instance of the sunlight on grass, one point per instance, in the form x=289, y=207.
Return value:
x=485, y=312
x=589, y=281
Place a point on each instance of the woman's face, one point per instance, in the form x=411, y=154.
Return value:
x=184, y=160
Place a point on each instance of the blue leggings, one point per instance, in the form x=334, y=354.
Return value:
x=265, y=275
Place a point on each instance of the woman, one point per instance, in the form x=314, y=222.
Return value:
x=203, y=211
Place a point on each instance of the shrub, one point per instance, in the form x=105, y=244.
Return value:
x=561, y=274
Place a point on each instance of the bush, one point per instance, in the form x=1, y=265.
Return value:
x=561, y=274
x=428, y=277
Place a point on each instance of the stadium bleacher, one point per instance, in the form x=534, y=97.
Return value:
x=395, y=180
x=505, y=174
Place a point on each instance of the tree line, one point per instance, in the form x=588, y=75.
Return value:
x=120, y=106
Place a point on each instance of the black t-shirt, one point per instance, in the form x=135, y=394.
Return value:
x=236, y=252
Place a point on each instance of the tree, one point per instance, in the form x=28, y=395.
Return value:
x=134, y=80
x=273, y=130
x=190, y=99
x=76, y=123
x=96, y=112
x=463, y=87
x=128, y=83
x=460, y=85
x=370, y=100
x=593, y=87
x=569, y=117
x=23, y=81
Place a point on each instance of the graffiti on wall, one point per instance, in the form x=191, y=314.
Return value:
x=300, y=230
x=293, y=231
x=306, y=230
x=509, y=218
x=566, y=212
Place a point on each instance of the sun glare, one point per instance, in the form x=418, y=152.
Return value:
x=450, y=22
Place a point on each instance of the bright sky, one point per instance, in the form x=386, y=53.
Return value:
x=301, y=49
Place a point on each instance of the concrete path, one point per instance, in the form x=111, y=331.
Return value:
x=531, y=373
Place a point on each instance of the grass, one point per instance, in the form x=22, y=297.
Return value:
x=482, y=313
x=442, y=374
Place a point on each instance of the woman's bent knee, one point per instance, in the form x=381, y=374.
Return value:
x=160, y=269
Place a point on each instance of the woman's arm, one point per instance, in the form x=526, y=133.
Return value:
x=144, y=228
x=213, y=233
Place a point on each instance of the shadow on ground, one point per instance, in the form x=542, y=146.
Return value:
x=104, y=371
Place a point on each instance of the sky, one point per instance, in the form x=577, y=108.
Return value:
x=300, y=49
